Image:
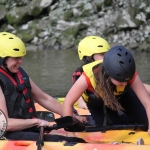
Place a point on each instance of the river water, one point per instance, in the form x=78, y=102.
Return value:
x=51, y=70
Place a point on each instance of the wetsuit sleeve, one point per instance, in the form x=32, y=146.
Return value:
x=131, y=81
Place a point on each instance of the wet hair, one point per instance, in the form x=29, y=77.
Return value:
x=88, y=59
x=105, y=89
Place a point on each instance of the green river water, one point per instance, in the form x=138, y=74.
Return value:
x=51, y=70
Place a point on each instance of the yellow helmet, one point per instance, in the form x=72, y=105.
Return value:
x=92, y=45
x=11, y=45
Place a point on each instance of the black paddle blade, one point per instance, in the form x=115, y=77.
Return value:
x=45, y=115
x=70, y=123
x=65, y=121
x=78, y=127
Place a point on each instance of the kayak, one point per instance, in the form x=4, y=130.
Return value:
x=108, y=140
x=30, y=145
x=124, y=139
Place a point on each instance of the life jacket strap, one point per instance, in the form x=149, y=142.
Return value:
x=12, y=102
x=21, y=87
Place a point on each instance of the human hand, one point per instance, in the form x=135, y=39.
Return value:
x=43, y=123
x=81, y=118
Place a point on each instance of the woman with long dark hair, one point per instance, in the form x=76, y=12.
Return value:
x=118, y=88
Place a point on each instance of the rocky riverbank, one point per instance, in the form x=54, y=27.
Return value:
x=61, y=24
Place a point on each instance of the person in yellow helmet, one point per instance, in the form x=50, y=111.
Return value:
x=90, y=48
x=17, y=91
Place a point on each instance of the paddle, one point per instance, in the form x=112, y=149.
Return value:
x=79, y=127
x=67, y=122
x=74, y=125
x=113, y=127
x=40, y=142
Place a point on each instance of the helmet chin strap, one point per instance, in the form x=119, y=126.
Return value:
x=5, y=66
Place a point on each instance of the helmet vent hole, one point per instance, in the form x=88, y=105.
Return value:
x=121, y=62
x=119, y=75
x=130, y=61
x=4, y=34
x=126, y=53
x=11, y=38
x=16, y=49
x=100, y=46
x=119, y=54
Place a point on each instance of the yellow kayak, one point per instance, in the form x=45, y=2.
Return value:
x=30, y=145
x=125, y=139
x=109, y=140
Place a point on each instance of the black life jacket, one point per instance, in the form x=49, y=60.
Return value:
x=17, y=93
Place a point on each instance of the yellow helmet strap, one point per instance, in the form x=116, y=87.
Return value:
x=1, y=61
x=6, y=68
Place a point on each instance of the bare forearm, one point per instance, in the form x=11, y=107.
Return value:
x=52, y=105
x=45, y=100
x=67, y=109
x=148, y=114
x=147, y=88
x=20, y=124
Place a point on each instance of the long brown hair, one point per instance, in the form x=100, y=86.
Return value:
x=105, y=89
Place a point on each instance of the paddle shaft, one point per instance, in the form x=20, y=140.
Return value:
x=40, y=142
x=116, y=127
